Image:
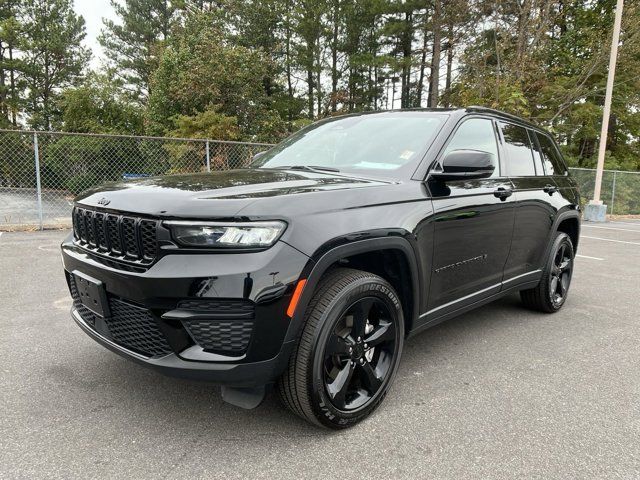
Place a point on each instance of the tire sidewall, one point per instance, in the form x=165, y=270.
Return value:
x=324, y=410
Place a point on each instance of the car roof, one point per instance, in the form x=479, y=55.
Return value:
x=460, y=111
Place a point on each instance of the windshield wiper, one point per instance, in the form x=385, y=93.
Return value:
x=309, y=168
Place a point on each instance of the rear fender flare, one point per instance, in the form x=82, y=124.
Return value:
x=560, y=217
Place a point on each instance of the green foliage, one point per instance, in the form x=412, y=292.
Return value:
x=98, y=106
x=259, y=69
x=52, y=56
x=550, y=65
x=207, y=124
x=134, y=44
x=16, y=166
x=76, y=162
x=200, y=71
x=12, y=84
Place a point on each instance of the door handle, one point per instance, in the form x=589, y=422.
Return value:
x=550, y=189
x=502, y=193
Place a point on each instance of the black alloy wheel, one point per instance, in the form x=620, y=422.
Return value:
x=359, y=354
x=560, y=277
x=349, y=350
x=552, y=291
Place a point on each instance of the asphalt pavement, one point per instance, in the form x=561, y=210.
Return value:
x=500, y=392
x=19, y=208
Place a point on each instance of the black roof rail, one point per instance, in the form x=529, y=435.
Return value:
x=479, y=109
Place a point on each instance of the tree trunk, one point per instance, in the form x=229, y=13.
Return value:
x=524, y=11
x=334, y=56
x=3, y=91
x=319, y=91
x=434, y=80
x=288, y=58
x=405, y=79
x=423, y=62
x=447, y=88
x=12, y=86
x=318, y=71
x=310, y=89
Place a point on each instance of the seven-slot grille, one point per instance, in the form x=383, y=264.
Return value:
x=127, y=238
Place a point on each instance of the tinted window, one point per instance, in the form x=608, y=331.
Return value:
x=537, y=154
x=476, y=134
x=381, y=141
x=518, y=148
x=553, y=163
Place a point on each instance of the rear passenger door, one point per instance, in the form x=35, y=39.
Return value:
x=555, y=168
x=534, y=204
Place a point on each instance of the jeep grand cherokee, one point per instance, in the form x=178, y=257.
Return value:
x=309, y=269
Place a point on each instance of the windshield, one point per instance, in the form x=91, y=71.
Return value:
x=377, y=142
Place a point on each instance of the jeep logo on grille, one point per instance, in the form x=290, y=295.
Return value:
x=104, y=201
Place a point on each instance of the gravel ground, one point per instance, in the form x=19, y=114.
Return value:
x=497, y=393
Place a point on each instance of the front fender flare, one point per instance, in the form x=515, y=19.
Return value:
x=314, y=271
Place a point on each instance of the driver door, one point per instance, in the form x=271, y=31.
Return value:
x=473, y=226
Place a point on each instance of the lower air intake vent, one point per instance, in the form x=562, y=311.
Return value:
x=134, y=328
x=218, y=336
x=224, y=327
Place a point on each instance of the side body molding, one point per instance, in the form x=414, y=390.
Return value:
x=314, y=271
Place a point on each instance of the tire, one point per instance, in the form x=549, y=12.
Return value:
x=551, y=293
x=329, y=353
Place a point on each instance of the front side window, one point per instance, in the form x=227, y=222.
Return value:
x=518, y=150
x=374, y=143
x=553, y=163
x=476, y=134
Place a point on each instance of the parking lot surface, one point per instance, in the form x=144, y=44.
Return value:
x=19, y=208
x=500, y=392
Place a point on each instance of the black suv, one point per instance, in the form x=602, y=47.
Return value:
x=309, y=269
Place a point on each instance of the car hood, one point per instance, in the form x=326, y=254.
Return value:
x=228, y=193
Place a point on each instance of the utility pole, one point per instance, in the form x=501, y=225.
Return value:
x=596, y=211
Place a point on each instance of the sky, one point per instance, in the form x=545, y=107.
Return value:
x=93, y=12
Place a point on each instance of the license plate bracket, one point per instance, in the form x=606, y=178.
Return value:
x=92, y=292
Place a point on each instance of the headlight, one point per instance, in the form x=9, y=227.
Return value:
x=226, y=234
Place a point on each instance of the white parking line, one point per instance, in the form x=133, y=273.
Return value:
x=627, y=223
x=587, y=256
x=611, y=228
x=610, y=240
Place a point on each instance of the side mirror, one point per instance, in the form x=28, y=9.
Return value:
x=465, y=165
x=258, y=155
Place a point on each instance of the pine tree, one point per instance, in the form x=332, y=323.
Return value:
x=134, y=43
x=11, y=84
x=52, y=56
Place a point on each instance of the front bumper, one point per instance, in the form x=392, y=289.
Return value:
x=164, y=297
x=232, y=374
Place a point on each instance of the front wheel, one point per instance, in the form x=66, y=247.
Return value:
x=551, y=293
x=349, y=350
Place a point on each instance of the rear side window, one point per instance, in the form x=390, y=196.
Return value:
x=518, y=148
x=553, y=163
x=476, y=134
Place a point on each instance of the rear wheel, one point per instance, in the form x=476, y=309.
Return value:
x=551, y=293
x=349, y=350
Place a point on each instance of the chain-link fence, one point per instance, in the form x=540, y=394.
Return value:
x=620, y=190
x=41, y=172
